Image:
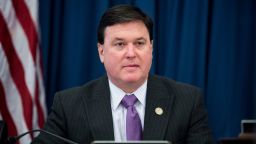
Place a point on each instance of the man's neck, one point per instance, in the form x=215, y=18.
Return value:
x=129, y=87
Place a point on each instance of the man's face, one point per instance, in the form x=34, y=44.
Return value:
x=126, y=53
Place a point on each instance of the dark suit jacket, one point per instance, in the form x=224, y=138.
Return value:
x=83, y=114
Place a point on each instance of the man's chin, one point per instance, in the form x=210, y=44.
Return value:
x=132, y=80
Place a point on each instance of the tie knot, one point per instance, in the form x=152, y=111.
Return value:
x=129, y=100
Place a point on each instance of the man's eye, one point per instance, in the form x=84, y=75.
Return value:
x=120, y=44
x=139, y=43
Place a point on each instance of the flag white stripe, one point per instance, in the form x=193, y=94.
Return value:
x=32, y=6
x=13, y=100
x=35, y=117
x=31, y=68
x=41, y=84
x=21, y=46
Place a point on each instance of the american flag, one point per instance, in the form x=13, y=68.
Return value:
x=22, y=97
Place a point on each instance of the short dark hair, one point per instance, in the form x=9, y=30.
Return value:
x=123, y=14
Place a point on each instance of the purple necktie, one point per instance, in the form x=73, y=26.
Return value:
x=133, y=124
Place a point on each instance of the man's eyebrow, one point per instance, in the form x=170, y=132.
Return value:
x=117, y=38
x=141, y=38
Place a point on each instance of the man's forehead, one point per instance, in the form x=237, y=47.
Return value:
x=122, y=39
x=130, y=24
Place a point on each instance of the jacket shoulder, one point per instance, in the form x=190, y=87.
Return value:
x=172, y=84
x=85, y=90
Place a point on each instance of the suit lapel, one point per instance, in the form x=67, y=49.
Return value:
x=158, y=104
x=99, y=111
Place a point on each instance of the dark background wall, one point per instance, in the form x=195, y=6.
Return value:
x=208, y=43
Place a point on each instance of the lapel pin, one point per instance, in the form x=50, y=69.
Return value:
x=159, y=111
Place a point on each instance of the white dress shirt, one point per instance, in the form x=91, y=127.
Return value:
x=119, y=112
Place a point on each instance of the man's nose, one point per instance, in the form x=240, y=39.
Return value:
x=130, y=51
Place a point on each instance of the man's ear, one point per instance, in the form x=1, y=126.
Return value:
x=101, y=52
x=151, y=43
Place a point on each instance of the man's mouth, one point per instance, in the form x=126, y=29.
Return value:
x=131, y=66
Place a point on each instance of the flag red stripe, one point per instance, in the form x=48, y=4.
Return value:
x=39, y=108
x=41, y=115
x=5, y=112
x=16, y=71
x=27, y=24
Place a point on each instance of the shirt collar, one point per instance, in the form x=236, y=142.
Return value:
x=117, y=94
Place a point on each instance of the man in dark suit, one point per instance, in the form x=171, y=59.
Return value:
x=128, y=103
